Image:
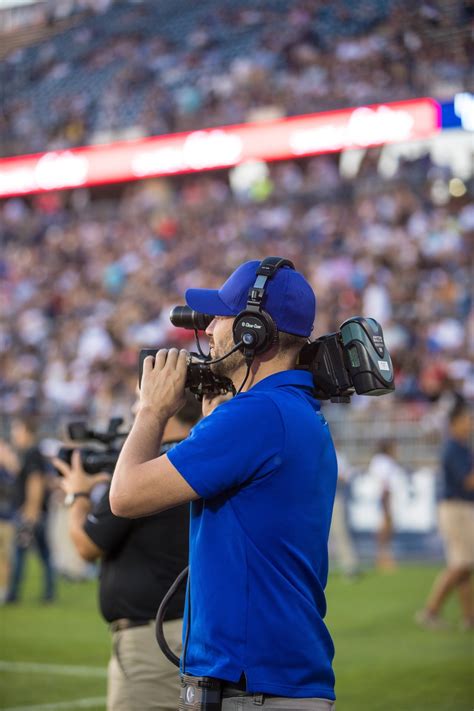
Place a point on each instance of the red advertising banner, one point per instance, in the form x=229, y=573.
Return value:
x=215, y=148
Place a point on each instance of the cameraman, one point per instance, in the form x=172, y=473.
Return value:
x=140, y=560
x=261, y=473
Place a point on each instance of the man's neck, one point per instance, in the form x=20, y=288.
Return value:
x=259, y=370
x=26, y=444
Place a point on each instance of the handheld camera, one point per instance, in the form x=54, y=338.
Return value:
x=102, y=455
x=352, y=360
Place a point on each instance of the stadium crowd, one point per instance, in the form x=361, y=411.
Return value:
x=89, y=277
x=152, y=68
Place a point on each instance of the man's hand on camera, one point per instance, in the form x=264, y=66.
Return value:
x=209, y=403
x=162, y=386
x=75, y=478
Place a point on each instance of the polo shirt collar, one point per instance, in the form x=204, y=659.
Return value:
x=295, y=378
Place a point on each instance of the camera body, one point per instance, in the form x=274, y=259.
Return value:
x=103, y=455
x=200, y=380
x=355, y=359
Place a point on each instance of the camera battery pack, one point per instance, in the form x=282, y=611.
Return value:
x=200, y=693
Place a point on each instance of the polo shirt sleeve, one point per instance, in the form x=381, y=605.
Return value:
x=457, y=465
x=241, y=440
x=105, y=529
x=34, y=463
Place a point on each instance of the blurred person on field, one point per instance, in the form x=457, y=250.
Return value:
x=385, y=470
x=340, y=540
x=8, y=469
x=140, y=559
x=31, y=508
x=456, y=523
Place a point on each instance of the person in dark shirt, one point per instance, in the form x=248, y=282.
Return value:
x=31, y=508
x=8, y=468
x=456, y=522
x=140, y=559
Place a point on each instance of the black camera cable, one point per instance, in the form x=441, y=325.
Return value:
x=160, y=616
x=233, y=350
x=249, y=365
x=198, y=344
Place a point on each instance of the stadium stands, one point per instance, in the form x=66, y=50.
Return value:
x=87, y=281
x=88, y=276
x=147, y=68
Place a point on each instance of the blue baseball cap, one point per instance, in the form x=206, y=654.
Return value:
x=289, y=299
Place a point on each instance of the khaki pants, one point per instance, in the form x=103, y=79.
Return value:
x=456, y=526
x=140, y=677
x=275, y=703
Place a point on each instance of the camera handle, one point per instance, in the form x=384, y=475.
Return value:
x=160, y=615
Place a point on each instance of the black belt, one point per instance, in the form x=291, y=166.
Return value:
x=240, y=685
x=229, y=686
x=124, y=624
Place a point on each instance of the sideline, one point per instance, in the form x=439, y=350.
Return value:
x=77, y=704
x=64, y=669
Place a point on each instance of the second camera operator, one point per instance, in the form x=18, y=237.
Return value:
x=140, y=559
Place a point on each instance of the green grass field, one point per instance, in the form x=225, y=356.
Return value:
x=383, y=661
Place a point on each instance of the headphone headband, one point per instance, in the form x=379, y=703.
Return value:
x=265, y=271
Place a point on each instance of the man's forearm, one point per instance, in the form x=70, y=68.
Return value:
x=78, y=512
x=77, y=516
x=142, y=444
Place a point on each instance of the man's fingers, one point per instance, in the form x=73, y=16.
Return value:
x=172, y=358
x=148, y=364
x=160, y=359
x=102, y=478
x=182, y=363
x=76, y=460
x=61, y=466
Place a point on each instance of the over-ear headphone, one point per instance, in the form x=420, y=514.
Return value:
x=254, y=327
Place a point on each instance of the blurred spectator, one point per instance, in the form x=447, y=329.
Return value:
x=88, y=278
x=341, y=546
x=385, y=470
x=8, y=469
x=31, y=508
x=456, y=523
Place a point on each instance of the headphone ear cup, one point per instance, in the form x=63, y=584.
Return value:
x=255, y=329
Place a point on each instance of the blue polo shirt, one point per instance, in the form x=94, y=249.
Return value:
x=265, y=467
x=456, y=462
